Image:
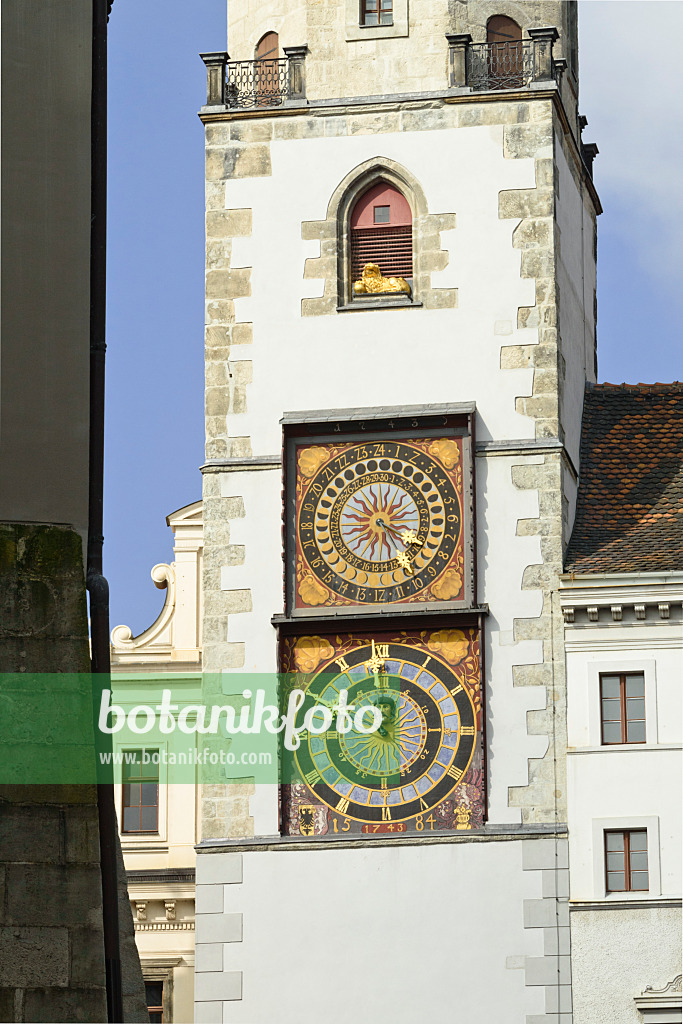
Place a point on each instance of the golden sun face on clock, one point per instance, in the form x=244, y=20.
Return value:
x=379, y=522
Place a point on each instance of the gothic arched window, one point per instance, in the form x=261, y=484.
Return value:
x=381, y=232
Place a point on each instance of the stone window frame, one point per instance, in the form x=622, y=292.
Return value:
x=356, y=32
x=334, y=233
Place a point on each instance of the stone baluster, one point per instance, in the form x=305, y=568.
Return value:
x=457, y=59
x=215, y=78
x=296, y=55
x=543, y=52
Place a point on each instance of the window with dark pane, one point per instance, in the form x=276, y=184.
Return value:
x=626, y=861
x=376, y=12
x=154, y=993
x=140, y=792
x=622, y=707
x=382, y=233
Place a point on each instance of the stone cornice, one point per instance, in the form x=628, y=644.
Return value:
x=284, y=844
x=398, y=101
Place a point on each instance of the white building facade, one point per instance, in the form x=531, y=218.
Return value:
x=158, y=812
x=622, y=604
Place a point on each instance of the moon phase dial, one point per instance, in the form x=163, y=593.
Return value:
x=381, y=522
x=417, y=756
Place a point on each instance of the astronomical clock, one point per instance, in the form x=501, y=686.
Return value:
x=379, y=588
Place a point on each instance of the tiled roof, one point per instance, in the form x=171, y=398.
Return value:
x=629, y=516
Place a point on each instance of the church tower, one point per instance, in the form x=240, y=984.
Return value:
x=400, y=322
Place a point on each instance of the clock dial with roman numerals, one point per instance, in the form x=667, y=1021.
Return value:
x=421, y=769
x=379, y=522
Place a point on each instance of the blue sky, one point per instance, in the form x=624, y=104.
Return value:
x=155, y=315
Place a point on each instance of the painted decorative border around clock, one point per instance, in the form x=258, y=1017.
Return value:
x=454, y=657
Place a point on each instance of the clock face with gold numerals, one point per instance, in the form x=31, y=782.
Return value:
x=379, y=522
x=421, y=767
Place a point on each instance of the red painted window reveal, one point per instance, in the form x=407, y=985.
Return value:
x=382, y=232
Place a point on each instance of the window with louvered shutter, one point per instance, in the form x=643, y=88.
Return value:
x=382, y=233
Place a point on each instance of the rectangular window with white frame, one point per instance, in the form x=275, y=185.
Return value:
x=622, y=707
x=626, y=860
x=626, y=867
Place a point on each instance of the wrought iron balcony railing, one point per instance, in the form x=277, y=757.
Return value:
x=516, y=64
x=251, y=84
x=256, y=83
x=500, y=65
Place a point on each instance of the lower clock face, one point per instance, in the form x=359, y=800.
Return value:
x=393, y=778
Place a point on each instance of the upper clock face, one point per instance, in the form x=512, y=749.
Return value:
x=415, y=767
x=379, y=522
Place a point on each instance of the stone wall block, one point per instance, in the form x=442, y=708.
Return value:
x=216, y=373
x=38, y=958
x=532, y=675
x=313, y=230
x=252, y=130
x=218, y=254
x=87, y=957
x=216, y=402
x=528, y=140
x=216, y=338
x=74, y=1004
x=440, y=298
x=217, y=134
x=515, y=357
x=218, y=657
x=51, y=895
x=214, y=195
x=537, y=262
x=242, y=371
x=237, y=601
x=533, y=233
x=545, y=381
x=421, y=120
x=526, y=202
x=295, y=128
x=240, y=447
x=221, y=311
x=242, y=334
x=232, y=284
x=222, y=509
x=228, y=223
x=236, y=161
x=82, y=836
x=527, y=316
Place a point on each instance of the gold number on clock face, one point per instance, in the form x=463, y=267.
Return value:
x=380, y=523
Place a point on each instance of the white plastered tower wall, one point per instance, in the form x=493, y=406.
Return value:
x=504, y=230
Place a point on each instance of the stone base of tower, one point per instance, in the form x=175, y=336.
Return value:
x=468, y=927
